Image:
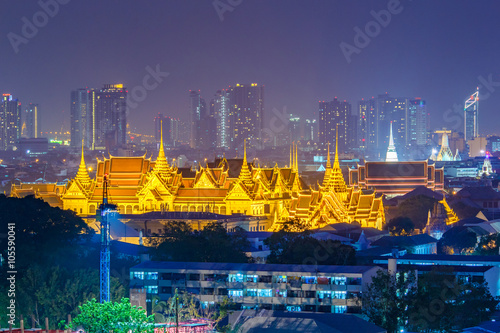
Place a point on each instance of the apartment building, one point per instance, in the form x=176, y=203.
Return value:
x=331, y=289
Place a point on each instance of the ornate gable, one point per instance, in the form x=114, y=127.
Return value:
x=204, y=180
x=239, y=192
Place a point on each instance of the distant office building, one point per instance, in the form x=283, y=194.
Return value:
x=222, y=110
x=366, y=123
x=108, y=116
x=493, y=144
x=333, y=115
x=477, y=146
x=247, y=112
x=79, y=125
x=417, y=122
x=471, y=110
x=99, y=117
x=311, y=130
x=170, y=130
x=295, y=128
x=197, y=110
x=33, y=121
x=10, y=122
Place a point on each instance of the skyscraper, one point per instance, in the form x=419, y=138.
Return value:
x=10, y=122
x=366, y=123
x=246, y=117
x=33, y=121
x=222, y=106
x=197, y=109
x=331, y=115
x=311, y=130
x=418, y=130
x=170, y=130
x=107, y=114
x=79, y=124
x=471, y=111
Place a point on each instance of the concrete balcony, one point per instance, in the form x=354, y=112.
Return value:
x=337, y=301
x=193, y=284
x=339, y=287
x=164, y=283
x=207, y=298
x=308, y=287
x=293, y=300
x=323, y=287
x=264, y=285
x=309, y=301
x=207, y=284
x=325, y=301
x=235, y=285
x=354, y=288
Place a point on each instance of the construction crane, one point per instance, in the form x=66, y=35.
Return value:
x=104, y=214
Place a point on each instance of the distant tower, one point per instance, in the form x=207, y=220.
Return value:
x=471, y=110
x=392, y=155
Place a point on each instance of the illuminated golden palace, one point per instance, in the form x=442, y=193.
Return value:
x=139, y=185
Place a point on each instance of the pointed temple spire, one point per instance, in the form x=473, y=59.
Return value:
x=336, y=164
x=391, y=155
x=336, y=180
x=291, y=156
x=296, y=168
x=328, y=162
x=245, y=175
x=161, y=164
x=82, y=174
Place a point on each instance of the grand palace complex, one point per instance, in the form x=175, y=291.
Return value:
x=138, y=185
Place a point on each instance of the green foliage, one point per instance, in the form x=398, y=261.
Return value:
x=401, y=226
x=55, y=292
x=179, y=242
x=416, y=209
x=119, y=317
x=191, y=308
x=47, y=235
x=457, y=240
x=444, y=304
x=58, y=261
x=300, y=248
x=388, y=297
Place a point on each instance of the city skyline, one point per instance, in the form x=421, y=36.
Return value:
x=300, y=63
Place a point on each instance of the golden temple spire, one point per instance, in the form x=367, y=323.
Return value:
x=328, y=163
x=161, y=164
x=82, y=175
x=245, y=175
x=291, y=155
x=336, y=164
x=296, y=157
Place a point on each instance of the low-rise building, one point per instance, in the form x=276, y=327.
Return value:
x=316, y=288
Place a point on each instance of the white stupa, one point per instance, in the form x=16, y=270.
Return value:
x=392, y=154
x=445, y=153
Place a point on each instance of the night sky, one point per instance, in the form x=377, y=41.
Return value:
x=437, y=50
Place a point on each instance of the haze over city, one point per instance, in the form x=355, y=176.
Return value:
x=432, y=50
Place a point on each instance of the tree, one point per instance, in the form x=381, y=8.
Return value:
x=118, y=317
x=388, y=297
x=444, y=303
x=416, y=209
x=303, y=249
x=178, y=242
x=401, y=226
x=191, y=308
x=458, y=240
x=488, y=245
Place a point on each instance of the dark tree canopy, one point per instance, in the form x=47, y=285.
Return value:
x=457, y=240
x=178, y=242
x=416, y=209
x=401, y=226
x=444, y=303
x=301, y=248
